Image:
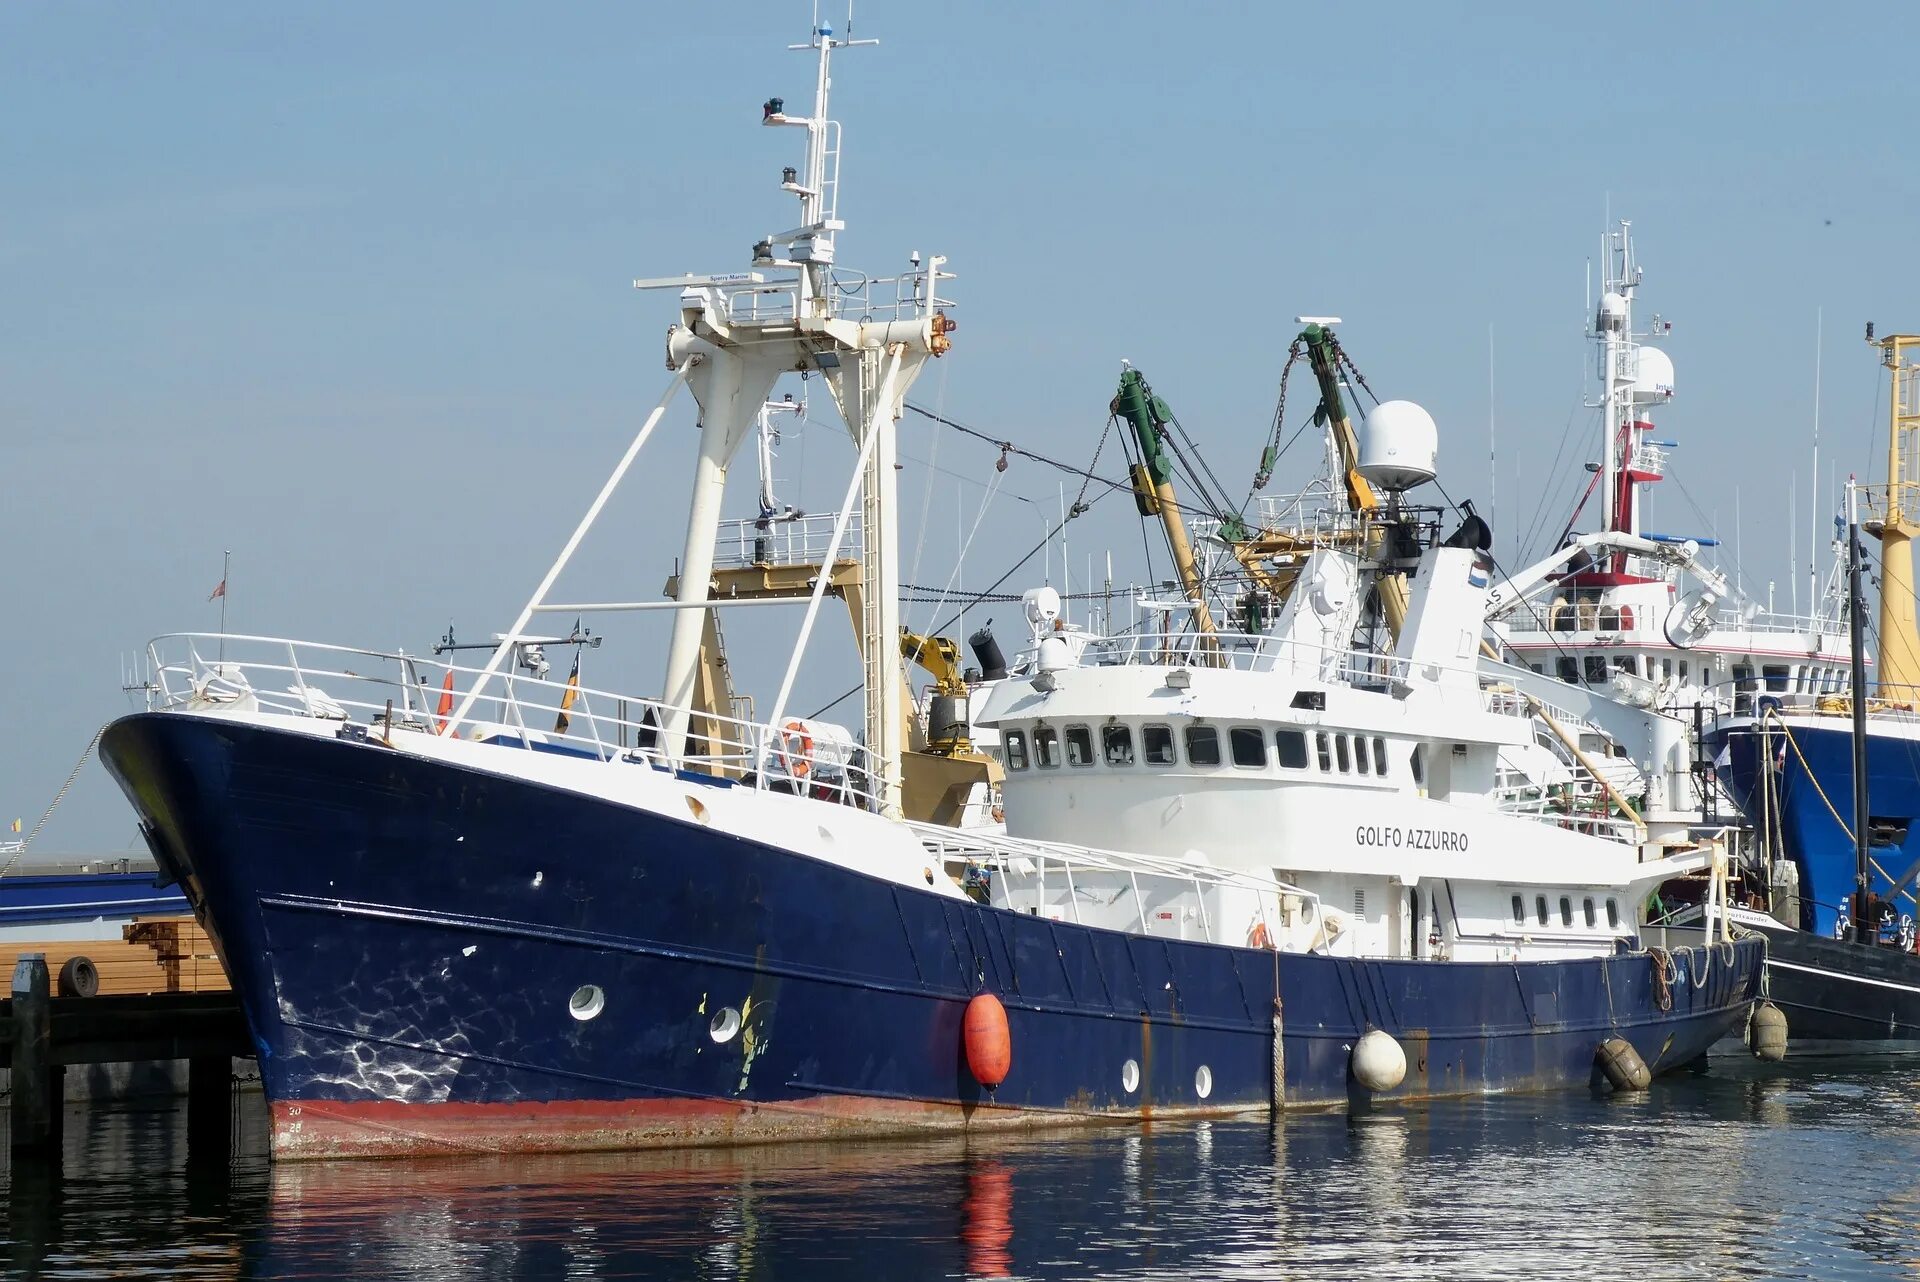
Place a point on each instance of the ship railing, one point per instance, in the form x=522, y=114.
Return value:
x=1038, y=874
x=1776, y=622
x=855, y=297
x=1321, y=505
x=1258, y=652
x=1569, y=807
x=1315, y=516
x=1608, y=624
x=803, y=539
x=1748, y=696
x=1648, y=458
x=530, y=707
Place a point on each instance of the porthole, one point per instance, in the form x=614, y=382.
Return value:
x=1130, y=1076
x=725, y=1025
x=587, y=1001
x=1203, y=1082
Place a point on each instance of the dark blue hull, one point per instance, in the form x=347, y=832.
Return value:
x=1812, y=790
x=405, y=936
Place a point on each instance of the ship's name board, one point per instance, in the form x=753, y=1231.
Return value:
x=1410, y=838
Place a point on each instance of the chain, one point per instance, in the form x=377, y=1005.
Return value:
x=1272, y=454
x=1346, y=363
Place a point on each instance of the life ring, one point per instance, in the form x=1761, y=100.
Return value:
x=796, y=766
x=1258, y=937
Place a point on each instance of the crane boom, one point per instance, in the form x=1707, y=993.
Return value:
x=1322, y=350
x=1148, y=415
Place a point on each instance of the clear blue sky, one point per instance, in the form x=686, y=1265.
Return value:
x=344, y=288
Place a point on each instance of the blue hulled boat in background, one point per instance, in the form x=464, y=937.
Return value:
x=1830, y=780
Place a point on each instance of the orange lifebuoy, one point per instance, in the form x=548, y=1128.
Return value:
x=988, y=1040
x=1258, y=937
x=796, y=766
x=446, y=703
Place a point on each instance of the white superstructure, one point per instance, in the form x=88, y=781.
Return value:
x=1635, y=616
x=1374, y=782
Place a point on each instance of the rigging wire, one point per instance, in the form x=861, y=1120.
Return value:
x=926, y=495
x=1008, y=447
x=1541, y=507
x=1078, y=509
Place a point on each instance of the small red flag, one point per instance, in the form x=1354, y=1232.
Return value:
x=218, y=592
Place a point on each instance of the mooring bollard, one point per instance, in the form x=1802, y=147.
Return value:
x=37, y=1102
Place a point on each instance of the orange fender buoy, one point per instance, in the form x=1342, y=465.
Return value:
x=989, y=1043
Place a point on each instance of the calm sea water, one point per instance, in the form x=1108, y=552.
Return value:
x=1808, y=1170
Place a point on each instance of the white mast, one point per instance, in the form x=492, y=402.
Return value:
x=1611, y=326
x=737, y=334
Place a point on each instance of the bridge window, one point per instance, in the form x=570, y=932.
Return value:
x=1203, y=746
x=1379, y=756
x=1156, y=742
x=1566, y=910
x=1418, y=764
x=1540, y=908
x=1016, y=750
x=1116, y=741
x=1046, y=747
x=1292, y=748
x=1341, y=750
x=1360, y=754
x=1249, y=747
x=1519, y=911
x=1777, y=676
x=1596, y=666
x=1079, y=746
x=1613, y=915
x=1568, y=671
x=1323, y=750
x=1592, y=920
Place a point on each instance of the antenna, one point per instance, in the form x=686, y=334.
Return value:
x=1813, y=508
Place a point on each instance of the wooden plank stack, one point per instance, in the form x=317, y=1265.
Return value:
x=184, y=951
x=156, y=955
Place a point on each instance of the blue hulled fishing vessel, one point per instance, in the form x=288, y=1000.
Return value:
x=1239, y=872
x=1830, y=777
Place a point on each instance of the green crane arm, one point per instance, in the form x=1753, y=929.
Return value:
x=1148, y=415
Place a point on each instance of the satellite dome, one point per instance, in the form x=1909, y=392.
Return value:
x=1613, y=313
x=1653, y=377
x=1399, y=446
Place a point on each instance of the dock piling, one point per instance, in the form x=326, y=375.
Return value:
x=38, y=1100
x=209, y=1109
